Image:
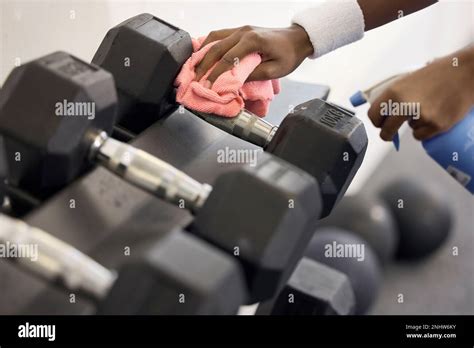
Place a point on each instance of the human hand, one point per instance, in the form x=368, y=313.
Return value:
x=437, y=96
x=282, y=51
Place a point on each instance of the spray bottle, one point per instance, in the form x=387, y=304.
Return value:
x=453, y=150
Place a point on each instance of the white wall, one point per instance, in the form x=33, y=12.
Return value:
x=32, y=28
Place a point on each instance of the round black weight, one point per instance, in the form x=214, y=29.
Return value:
x=348, y=253
x=370, y=218
x=422, y=213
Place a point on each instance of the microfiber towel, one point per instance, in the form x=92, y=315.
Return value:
x=229, y=93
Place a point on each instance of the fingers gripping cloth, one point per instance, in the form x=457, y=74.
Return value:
x=229, y=93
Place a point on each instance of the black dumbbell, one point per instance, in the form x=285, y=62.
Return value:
x=179, y=274
x=422, y=213
x=370, y=222
x=260, y=214
x=55, y=116
x=144, y=72
x=351, y=255
x=369, y=217
x=323, y=139
x=313, y=289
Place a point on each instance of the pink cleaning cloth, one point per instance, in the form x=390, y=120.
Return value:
x=229, y=93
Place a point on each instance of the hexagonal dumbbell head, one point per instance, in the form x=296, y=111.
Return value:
x=315, y=289
x=47, y=109
x=144, y=54
x=180, y=274
x=312, y=127
x=261, y=215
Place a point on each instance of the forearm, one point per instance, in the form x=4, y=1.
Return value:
x=380, y=12
x=334, y=24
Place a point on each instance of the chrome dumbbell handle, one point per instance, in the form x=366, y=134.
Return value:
x=245, y=125
x=149, y=173
x=55, y=260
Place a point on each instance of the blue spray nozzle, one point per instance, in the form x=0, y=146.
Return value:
x=396, y=141
x=358, y=99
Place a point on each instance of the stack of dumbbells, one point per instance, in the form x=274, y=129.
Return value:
x=103, y=172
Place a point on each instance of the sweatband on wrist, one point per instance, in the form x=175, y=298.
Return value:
x=331, y=25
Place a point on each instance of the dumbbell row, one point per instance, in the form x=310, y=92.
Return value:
x=264, y=276
x=226, y=224
x=321, y=138
x=90, y=141
x=164, y=287
x=312, y=289
x=331, y=128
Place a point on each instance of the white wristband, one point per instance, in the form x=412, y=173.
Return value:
x=331, y=25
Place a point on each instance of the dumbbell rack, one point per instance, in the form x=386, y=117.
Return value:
x=110, y=214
